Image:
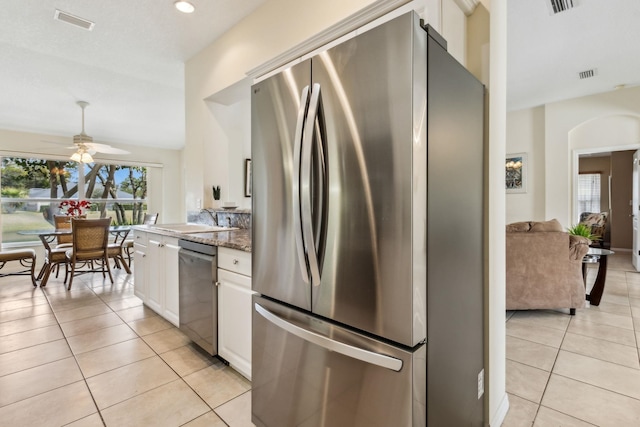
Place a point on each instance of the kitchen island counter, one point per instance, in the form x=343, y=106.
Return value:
x=239, y=239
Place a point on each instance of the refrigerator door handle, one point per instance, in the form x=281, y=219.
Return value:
x=297, y=213
x=305, y=184
x=320, y=340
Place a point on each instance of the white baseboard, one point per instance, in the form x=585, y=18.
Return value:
x=501, y=413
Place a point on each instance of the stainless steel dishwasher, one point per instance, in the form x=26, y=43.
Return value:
x=198, y=295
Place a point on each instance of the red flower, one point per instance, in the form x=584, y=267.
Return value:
x=74, y=207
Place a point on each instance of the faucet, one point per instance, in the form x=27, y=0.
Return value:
x=213, y=215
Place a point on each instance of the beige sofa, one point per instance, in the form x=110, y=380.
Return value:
x=544, y=267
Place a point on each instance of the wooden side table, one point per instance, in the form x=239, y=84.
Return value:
x=599, y=256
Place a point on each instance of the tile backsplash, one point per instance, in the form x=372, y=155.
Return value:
x=240, y=218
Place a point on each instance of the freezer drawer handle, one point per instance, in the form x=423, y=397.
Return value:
x=331, y=345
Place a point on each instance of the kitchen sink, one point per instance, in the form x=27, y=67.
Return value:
x=191, y=228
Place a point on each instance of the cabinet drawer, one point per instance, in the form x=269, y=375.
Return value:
x=234, y=260
x=140, y=237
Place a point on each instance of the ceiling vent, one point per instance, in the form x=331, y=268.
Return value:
x=73, y=20
x=557, y=6
x=588, y=73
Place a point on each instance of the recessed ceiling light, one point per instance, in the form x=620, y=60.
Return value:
x=184, y=6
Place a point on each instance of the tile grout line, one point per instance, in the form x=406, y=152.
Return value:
x=180, y=377
x=75, y=358
x=573, y=379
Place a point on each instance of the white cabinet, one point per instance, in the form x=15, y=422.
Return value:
x=162, y=276
x=234, y=308
x=171, y=304
x=140, y=265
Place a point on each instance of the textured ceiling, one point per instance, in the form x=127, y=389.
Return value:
x=130, y=68
x=546, y=52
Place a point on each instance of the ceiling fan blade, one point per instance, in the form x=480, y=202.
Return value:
x=59, y=143
x=104, y=148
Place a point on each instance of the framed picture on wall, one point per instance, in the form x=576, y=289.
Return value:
x=516, y=173
x=247, y=177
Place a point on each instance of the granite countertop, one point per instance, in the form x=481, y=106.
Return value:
x=239, y=239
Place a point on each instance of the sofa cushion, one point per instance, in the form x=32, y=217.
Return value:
x=551, y=225
x=517, y=227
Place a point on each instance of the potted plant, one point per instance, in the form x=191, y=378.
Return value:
x=582, y=230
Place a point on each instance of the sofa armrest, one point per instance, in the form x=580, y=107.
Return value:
x=578, y=247
x=543, y=271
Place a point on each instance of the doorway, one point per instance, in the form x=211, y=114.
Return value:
x=611, y=176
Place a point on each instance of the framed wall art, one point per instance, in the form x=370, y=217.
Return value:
x=516, y=173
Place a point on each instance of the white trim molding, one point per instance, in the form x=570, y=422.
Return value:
x=373, y=11
x=467, y=6
x=501, y=413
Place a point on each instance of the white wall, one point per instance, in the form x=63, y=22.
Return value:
x=229, y=126
x=498, y=403
x=259, y=37
x=218, y=74
x=454, y=30
x=165, y=182
x=602, y=122
x=525, y=134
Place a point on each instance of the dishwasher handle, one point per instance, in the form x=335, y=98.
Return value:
x=204, y=257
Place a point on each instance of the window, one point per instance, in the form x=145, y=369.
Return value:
x=32, y=189
x=589, y=192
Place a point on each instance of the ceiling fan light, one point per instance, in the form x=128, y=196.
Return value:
x=76, y=157
x=86, y=158
x=184, y=6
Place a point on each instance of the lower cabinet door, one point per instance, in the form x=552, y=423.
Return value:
x=171, y=304
x=155, y=274
x=234, y=320
x=139, y=271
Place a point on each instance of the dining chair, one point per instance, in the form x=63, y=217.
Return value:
x=90, y=241
x=64, y=222
x=149, y=219
x=26, y=258
x=53, y=258
x=63, y=241
x=115, y=250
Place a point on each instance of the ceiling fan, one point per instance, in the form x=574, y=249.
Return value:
x=85, y=145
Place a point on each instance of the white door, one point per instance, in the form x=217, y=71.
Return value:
x=635, y=258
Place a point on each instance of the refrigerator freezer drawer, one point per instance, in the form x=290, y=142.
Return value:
x=309, y=372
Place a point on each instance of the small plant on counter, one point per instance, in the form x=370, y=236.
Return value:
x=216, y=192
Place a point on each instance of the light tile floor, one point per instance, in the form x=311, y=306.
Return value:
x=95, y=356
x=580, y=370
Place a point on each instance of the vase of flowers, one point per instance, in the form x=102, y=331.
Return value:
x=74, y=207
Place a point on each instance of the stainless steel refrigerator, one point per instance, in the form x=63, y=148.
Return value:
x=368, y=236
